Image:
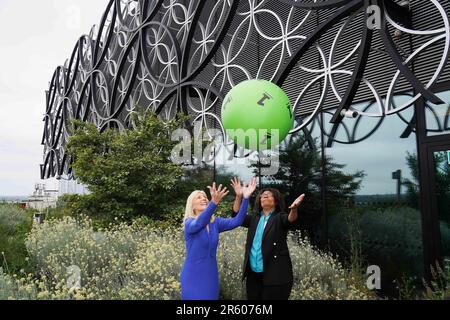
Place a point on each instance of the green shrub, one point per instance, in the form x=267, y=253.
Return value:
x=139, y=262
x=128, y=172
x=14, y=288
x=15, y=223
x=317, y=275
x=390, y=238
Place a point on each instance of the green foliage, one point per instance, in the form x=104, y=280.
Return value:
x=439, y=288
x=15, y=223
x=140, y=262
x=69, y=205
x=442, y=170
x=128, y=173
x=317, y=275
x=443, y=185
x=390, y=238
x=412, y=186
x=407, y=288
x=15, y=288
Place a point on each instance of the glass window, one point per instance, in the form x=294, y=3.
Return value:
x=438, y=116
x=442, y=177
x=299, y=172
x=372, y=195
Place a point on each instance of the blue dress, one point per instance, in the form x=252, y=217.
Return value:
x=199, y=276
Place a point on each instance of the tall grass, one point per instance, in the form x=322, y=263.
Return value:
x=138, y=262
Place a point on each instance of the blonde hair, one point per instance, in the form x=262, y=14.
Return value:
x=189, y=210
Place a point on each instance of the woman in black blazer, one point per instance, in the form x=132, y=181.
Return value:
x=267, y=264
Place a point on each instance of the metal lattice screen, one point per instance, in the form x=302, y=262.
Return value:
x=177, y=55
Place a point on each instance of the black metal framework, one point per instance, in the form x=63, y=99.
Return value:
x=171, y=56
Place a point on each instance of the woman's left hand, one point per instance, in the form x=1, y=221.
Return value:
x=247, y=190
x=236, y=184
x=297, y=202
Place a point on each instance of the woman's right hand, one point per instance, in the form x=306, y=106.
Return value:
x=237, y=187
x=248, y=189
x=217, y=194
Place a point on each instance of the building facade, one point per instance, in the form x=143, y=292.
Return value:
x=368, y=81
x=42, y=198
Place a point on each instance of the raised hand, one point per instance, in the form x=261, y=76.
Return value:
x=237, y=187
x=297, y=202
x=217, y=194
x=248, y=189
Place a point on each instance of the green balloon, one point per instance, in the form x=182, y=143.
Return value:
x=253, y=110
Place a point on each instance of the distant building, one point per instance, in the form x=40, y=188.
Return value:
x=42, y=198
x=71, y=187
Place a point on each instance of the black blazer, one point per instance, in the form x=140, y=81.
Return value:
x=276, y=260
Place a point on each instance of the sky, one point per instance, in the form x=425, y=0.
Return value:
x=35, y=37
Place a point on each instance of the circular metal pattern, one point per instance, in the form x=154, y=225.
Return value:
x=171, y=55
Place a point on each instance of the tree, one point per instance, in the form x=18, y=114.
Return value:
x=129, y=173
x=442, y=171
x=300, y=171
x=412, y=186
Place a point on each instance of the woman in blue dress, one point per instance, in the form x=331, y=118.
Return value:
x=199, y=276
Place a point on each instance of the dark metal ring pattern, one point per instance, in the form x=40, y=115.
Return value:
x=179, y=55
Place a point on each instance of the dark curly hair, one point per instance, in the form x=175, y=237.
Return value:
x=279, y=200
